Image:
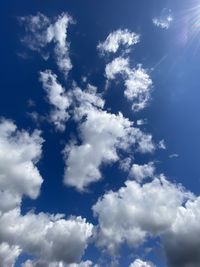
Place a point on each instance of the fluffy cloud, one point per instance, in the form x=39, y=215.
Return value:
x=8, y=254
x=19, y=152
x=44, y=236
x=140, y=263
x=140, y=172
x=57, y=98
x=102, y=135
x=136, y=212
x=41, y=31
x=50, y=237
x=85, y=100
x=137, y=81
x=118, y=38
x=119, y=65
x=181, y=241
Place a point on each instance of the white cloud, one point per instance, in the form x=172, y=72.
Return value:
x=102, y=135
x=138, y=87
x=41, y=31
x=8, y=255
x=44, y=236
x=50, y=237
x=140, y=263
x=119, y=65
x=165, y=20
x=118, y=38
x=19, y=152
x=140, y=172
x=162, y=145
x=57, y=97
x=181, y=241
x=136, y=212
x=85, y=100
x=137, y=81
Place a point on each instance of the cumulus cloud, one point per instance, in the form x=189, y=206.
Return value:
x=57, y=97
x=137, y=212
x=19, y=152
x=41, y=31
x=137, y=81
x=140, y=172
x=50, y=237
x=85, y=100
x=165, y=20
x=102, y=135
x=181, y=241
x=140, y=263
x=44, y=236
x=8, y=255
x=117, y=39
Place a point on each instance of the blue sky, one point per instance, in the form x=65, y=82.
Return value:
x=99, y=122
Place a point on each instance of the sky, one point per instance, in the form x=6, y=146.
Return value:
x=99, y=133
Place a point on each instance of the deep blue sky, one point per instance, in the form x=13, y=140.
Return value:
x=172, y=114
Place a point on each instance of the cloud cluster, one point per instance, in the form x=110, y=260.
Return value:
x=137, y=212
x=44, y=236
x=102, y=134
x=154, y=209
x=57, y=97
x=137, y=81
x=41, y=31
x=117, y=39
x=47, y=237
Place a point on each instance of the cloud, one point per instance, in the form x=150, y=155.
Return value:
x=125, y=164
x=30, y=263
x=117, y=39
x=162, y=145
x=85, y=100
x=165, y=20
x=41, y=31
x=173, y=156
x=57, y=97
x=8, y=254
x=181, y=241
x=140, y=172
x=119, y=65
x=102, y=134
x=137, y=212
x=45, y=236
x=19, y=152
x=140, y=263
x=137, y=81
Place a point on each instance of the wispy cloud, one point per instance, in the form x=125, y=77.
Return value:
x=165, y=20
